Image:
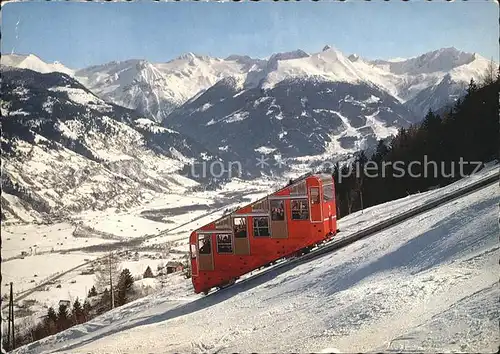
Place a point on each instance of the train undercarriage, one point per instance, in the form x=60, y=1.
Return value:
x=297, y=254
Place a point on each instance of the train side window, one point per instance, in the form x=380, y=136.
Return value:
x=240, y=227
x=261, y=205
x=300, y=209
x=205, y=244
x=328, y=193
x=224, y=243
x=314, y=195
x=193, y=251
x=277, y=210
x=299, y=189
x=261, y=226
x=224, y=223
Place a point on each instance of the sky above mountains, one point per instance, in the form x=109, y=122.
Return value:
x=83, y=34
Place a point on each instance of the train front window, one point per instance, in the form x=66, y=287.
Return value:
x=328, y=193
x=300, y=209
x=314, y=195
x=261, y=226
x=205, y=244
x=240, y=227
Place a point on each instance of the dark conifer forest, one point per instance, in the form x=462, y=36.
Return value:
x=439, y=150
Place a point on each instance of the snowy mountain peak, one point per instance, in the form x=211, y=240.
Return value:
x=236, y=57
x=296, y=54
x=191, y=57
x=187, y=56
x=272, y=63
x=353, y=57
x=441, y=60
x=326, y=47
x=32, y=62
x=331, y=53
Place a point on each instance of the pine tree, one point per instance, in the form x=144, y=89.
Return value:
x=148, y=273
x=471, y=88
x=380, y=152
x=86, y=309
x=51, y=314
x=92, y=291
x=77, y=313
x=51, y=321
x=124, y=287
x=63, y=320
x=104, y=303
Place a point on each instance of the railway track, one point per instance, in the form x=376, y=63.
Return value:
x=336, y=244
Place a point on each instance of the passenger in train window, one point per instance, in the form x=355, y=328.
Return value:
x=205, y=248
x=277, y=210
x=240, y=228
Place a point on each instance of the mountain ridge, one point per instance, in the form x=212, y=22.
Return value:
x=156, y=89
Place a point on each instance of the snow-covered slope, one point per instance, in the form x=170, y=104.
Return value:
x=66, y=150
x=429, y=284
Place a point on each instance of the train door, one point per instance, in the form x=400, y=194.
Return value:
x=193, y=250
x=329, y=202
x=240, y=228
x=315, y=205
x=205, y=252
x=278, y=218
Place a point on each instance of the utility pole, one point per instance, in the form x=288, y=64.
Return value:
x=111, y=282
x=11, y=321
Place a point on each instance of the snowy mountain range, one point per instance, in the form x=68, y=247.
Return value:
x=156, y=89
x=320, y=106
x=144, y=123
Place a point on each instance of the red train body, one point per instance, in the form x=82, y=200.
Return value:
x=288, y=222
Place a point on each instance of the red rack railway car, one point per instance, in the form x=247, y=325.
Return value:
x=288, y=222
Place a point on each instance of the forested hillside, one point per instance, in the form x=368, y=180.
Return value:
x=441, y=149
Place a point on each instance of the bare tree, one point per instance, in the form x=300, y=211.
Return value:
x=107, y=273
x=167, y=247
x=490, y=74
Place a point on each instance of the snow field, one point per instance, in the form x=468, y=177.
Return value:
x=37, y=239
x=359, y=298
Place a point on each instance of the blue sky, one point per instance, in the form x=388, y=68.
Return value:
x=82, y=34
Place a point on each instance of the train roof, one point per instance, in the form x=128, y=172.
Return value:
x=293, y=182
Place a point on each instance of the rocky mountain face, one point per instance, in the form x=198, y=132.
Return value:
x=294, y=119
x=66, y=150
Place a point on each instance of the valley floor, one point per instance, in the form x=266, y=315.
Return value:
x=427, y=284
